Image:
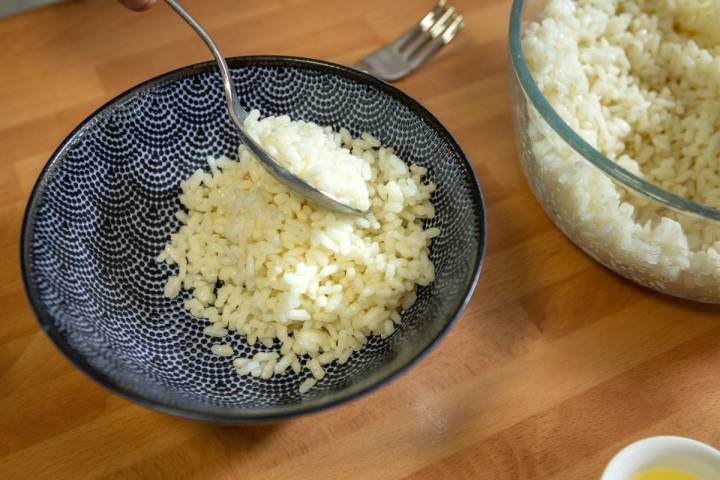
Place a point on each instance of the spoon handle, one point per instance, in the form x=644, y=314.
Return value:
x=237, y=113
x=238, y=116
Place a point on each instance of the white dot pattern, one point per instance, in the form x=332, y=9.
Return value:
x=104, y=209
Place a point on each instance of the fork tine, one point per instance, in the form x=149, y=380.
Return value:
x=437, y=28
x=453, y=29
x=456, y=23
x=403, y=55
x=421, y=27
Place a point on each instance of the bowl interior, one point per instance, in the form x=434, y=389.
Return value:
x=104, y=208
x=524, y=11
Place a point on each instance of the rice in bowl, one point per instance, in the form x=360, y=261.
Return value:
x=262, y=262
x=640, y=82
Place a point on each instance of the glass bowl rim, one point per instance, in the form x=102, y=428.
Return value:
x=582, y=147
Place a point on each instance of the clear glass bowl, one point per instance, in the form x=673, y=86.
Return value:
x=592, y=199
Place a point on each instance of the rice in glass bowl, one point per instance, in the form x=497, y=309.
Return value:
x=616, y=110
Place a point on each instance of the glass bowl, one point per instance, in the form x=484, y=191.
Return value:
x=593, y=200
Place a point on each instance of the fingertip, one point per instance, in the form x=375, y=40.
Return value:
x=138, y=5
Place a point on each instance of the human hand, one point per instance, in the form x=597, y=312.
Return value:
x=138, y=5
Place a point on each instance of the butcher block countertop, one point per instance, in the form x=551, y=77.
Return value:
x=555, y=365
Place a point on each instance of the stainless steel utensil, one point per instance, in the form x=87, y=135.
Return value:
x=416, y=46
x=238, y=115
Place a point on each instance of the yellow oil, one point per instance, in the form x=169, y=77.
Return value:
x=663, y=474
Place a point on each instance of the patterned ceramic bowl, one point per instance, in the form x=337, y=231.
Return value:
x=104, y=206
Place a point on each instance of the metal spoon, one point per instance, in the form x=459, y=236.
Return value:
x=238, y=115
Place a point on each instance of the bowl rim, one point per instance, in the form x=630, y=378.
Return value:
x=590, y=153
x=631, y=454
x=266, y=414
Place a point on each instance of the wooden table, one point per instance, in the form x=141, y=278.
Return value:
x=556, y=364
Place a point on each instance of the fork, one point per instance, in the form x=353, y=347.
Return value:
x=416, y=46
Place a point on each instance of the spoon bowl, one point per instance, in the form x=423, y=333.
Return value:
x=238, y=116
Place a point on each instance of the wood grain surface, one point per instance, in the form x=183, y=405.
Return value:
x=555, y=365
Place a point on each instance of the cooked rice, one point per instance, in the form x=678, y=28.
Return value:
x=315, y=155
x=639, y=81
x=319, y=282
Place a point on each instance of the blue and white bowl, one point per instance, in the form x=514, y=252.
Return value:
x=104, y=206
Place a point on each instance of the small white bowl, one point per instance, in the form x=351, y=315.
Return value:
x=684, y=454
